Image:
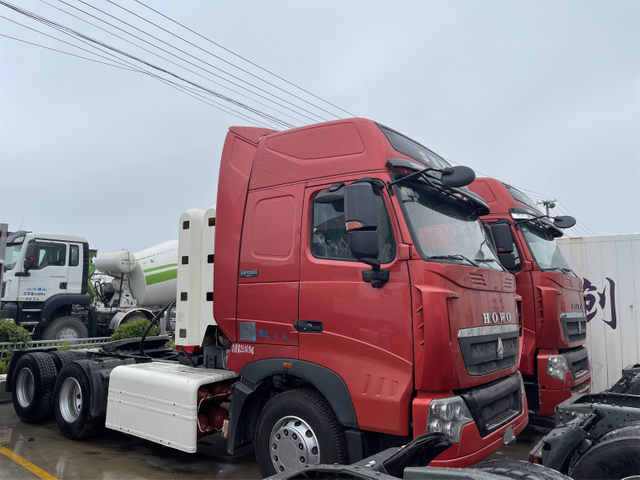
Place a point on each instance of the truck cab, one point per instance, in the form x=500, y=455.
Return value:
x=554, y=363
x=355, y=266
x=45, y=279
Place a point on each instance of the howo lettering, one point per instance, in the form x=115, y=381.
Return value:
x=554, y=361
x=346, y=310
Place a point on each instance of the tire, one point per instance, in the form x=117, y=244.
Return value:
x=71, y=402
x=65, y=328
x=33, y=386
x=297, y=418
x=615, y=455
x=62, y=357
x=519, y=469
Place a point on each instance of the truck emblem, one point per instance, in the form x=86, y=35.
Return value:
x=495, y=317
x=500, y=349
x=576, y=306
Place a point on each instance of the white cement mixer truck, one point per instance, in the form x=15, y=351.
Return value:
x=48, y=287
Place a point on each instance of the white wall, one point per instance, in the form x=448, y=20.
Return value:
x=609, y=263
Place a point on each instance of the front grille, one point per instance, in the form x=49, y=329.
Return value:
x=578, y=361
x=574, y=325
x=495, y=404
x=489, y=349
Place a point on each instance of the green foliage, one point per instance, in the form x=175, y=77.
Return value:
x=4, y=366
x=10, y=332
x=133, y=329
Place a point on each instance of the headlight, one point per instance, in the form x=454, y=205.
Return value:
x=448, y=415
x=557, y=366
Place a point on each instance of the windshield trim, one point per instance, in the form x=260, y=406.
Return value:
x=461, y=261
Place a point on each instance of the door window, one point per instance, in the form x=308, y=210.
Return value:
x=50, y=254
x=329, y=234
x=74, y=256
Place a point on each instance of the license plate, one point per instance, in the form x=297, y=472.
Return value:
x=509, y=435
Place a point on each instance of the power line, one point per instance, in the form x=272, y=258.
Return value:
x=192, y=56
x=243, y=58
x=288, y=125
x=70, y=31
x=132, y=68
x=222, y=59
x=66, y=53
x=170, y=61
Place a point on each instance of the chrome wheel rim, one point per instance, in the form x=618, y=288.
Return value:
x=25, y=387
x=70, y=400
x=67, y=334
x=293, y=443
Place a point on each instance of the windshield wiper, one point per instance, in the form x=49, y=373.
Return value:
x=455, y=256
x=485, y=260
x=551, y=269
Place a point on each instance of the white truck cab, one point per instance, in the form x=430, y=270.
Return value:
x=45, y=279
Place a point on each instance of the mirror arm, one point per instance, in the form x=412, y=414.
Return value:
x=411, y=175
x=529, y=220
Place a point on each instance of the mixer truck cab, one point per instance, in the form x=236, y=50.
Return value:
x=48, y=287
x=45, y=279
x=355, y=263
x=554, y=363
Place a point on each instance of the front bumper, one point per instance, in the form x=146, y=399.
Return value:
x=551, y=391
x=472, y=446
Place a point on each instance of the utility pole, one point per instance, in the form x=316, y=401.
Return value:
x=548, y=204
x=4, y=228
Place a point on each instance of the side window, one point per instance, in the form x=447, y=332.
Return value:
x=516, y=255
x=74, y=256
x=51, y=254
x=329, y=233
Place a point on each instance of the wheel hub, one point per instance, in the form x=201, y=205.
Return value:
x=70, y=400
x=25, y=387
x=293, y=443
x=67, y=333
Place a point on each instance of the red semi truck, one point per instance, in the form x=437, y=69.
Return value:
x=358, y=304
x=554, y=362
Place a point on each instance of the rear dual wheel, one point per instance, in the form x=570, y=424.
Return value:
x=72, y=401
x=34, y=380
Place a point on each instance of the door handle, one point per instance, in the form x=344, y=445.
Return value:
x=63, y=285
x=307, y=326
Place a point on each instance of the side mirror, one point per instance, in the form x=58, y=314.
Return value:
x=502, y=237
x=30, y=256
x=458, y=176
x=564, y=221
x=360, y=218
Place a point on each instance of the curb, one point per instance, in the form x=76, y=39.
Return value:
x=4, y=396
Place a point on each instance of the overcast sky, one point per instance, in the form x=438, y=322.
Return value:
x=544, y=95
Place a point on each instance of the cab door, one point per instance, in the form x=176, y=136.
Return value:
x=360, y=332
x=49, y=275
x=76, y=265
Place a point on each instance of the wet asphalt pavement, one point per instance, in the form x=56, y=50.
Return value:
x=112, y=455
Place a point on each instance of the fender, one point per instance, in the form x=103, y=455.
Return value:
x=120, y=317
x=326, y=381
x=60, y=300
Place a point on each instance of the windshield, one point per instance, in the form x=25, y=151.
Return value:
x=444, y=228
x=11, y=256
x=544, y=248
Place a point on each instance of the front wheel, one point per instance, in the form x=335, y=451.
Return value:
x=295, y=428
x=65, y=328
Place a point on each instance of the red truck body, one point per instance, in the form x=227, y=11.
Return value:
x=553, y=308
x=436, y=329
